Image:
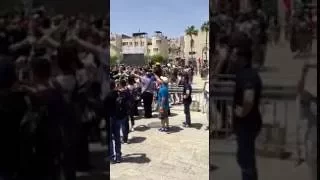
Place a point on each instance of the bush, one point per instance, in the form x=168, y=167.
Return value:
x=113, y=60
x=157, y=59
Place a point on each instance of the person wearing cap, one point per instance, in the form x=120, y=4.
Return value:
x=163, y=101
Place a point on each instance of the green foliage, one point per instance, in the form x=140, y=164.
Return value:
x=157, y=59
x=205, y=27
x=113, y=60
x=191, y=31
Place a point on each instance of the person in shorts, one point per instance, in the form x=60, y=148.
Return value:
x=163, y=101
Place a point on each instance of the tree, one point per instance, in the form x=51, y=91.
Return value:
x=157, y=59
x=205, y=28
x=191, y=31
x=113, y=60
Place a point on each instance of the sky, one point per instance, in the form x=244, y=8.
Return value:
x=171, y=17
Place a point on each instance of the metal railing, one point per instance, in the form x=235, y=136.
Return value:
x=196, y=95
x=273, y=96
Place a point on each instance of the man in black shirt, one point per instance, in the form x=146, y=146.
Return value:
x=187, y=100
x=116, y=119
x=247, y=121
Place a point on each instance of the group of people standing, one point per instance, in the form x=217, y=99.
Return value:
x=147, y=86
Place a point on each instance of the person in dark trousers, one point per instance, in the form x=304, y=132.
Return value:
x=187, y=100
x=116, y=114
x=247, y=121
x=114, y=126
x=133, y=101
x=148, y=87
x=127, y=98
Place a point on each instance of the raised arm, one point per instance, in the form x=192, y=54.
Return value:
x=19, y=45
x=89, y=46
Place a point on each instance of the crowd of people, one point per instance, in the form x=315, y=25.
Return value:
x=148, y=87
x=299, y=30
x=57, y=90
x=53, y=78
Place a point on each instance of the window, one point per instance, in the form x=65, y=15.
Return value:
x=130, y=43
x=135, y=43
x=125, y=44
x=142, y=43
x=155, y=49
x=158, y=41
x=148, y=51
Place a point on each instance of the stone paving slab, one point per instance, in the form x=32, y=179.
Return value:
x=179, y=155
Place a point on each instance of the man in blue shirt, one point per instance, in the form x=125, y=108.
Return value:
x=163, y=101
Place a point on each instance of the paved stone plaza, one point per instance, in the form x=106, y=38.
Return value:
x=181, y=154
x=153, y=155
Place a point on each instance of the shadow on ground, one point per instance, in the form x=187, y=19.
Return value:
x=196, y=126
x=139, y=158
x=142, y=128
x=100, y=169
x=136, y=139
x=154, y=124
x=174, y=129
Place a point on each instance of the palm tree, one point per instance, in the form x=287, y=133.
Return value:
x=205, y=28
x=191, y=31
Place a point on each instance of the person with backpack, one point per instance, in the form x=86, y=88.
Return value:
x=117, y=114
x=123, y=108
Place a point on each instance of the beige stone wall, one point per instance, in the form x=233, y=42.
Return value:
x=199, y=45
